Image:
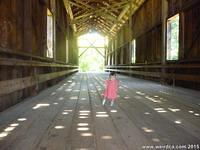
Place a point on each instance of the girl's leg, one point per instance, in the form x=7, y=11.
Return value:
x=103, y=102
x=112, y=102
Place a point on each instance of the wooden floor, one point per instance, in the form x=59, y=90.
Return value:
x=69, y=116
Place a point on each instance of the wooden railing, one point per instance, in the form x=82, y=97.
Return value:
x=23, y=75
x=182, y=72
x=56, y=69
x=19, y=62
x=9, y=86
x=12, y=85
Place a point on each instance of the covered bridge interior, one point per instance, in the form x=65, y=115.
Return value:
x=46, y=103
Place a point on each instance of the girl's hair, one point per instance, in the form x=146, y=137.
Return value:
x=112, y=74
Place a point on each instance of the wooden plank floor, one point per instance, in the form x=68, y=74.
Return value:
x=69, y=116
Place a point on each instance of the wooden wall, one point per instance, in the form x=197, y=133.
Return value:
x=11, y=25
x=145, y=27
x=192, y=33
x=61, y=31
x=24, y=67
x=148, y=27
x=147, y=32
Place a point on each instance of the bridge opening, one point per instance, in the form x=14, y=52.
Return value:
x=92, y=47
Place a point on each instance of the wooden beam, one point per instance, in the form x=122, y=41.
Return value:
x=91, y=47
x=83, y=11
x=107, y=4
x=107, y=16
x=104, y=27
x=81, y=32
x=79, y=21
x=17, y=62
x=10, y=86
x=69, y=10
x=129, y=8
x=102, y=10
x=83, y=52
x=91, y=44
x=84, y=4
x=22, y=54
x=172, y=76
x=91, y=0
x=99, y=52
x=104, y=23
x=143, y=66
x=27, y=26
x=82, y=18
x=83, y=28
x=82, y=22
x=108, y=23
x=121, y=15
x=101, y=30
x=77, y=5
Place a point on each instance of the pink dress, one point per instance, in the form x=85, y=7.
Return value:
x=111, y=89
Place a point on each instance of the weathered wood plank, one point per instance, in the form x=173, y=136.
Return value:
x=107, y=135
x=17, y=62
x=9, y=86
x=140, y=100
x=70, y=116
x=174, y=66
x=57, y=136
x=41, y=118
x=82, y=134
x=175, y=76
x=130, y=133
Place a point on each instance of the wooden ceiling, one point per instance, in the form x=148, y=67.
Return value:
x=103, y=16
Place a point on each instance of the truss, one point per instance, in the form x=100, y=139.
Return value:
x=105, y=16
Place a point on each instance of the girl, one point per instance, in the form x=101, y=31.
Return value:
x=111, y=89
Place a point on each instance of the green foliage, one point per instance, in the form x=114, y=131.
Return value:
x=173, y=38
x=91, y=60
x=84, y=66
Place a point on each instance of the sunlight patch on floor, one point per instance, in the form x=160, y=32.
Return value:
x=21, y=119
x=41, y=105
x=106, y=137
x=147, y=130
x=86, y=134
x=83, y=129
x=174, y=109
x=59, y=127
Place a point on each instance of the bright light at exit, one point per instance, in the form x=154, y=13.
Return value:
x=91, y=51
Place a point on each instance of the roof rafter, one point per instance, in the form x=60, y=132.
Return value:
x=102, y=10
x=105, y=16
x=84, y=4
x=69, y=10
x=128, y=9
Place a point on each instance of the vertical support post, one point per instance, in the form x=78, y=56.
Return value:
x=27, y=45
x=54, y=30
x=129, y=40
x=27, y=41
x=116, y=51
x=182, y=36
x=122, y=46
x=112, y=54
x=164, y=35
x=67, y=44
x=106, y=54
